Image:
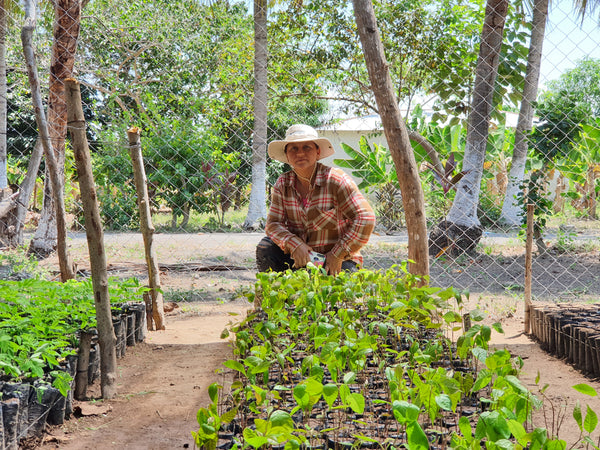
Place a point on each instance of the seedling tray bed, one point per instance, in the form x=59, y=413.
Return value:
x=570, y=331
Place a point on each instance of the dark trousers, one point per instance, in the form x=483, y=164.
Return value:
x=269, y=256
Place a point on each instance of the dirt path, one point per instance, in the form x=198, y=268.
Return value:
x=162, y=384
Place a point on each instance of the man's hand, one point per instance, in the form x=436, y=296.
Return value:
x=301, y=256
x=333, y=265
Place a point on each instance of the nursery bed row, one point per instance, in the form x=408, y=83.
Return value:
x=29, y=404
x=364, y=360
x=570, y=331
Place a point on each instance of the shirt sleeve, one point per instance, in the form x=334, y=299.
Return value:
x=276, y=227
x=355, y=208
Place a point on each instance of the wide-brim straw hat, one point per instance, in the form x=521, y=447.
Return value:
x=299, y=133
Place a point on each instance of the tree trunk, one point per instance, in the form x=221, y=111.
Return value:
x=396, y=134
x=432, y=154
x=591, y=194
x=95, y=240
x=66, y=33
x=462, y=219
x=15, y=238
x=3, y=110
x=510, y=207
x=257, y=208
x=146, y=227
x=67, y=270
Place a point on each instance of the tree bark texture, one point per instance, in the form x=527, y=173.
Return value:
x=257, y=208
x=64, y=45
x=67, y=270
x=464, y=208
x=397, y=137
x=95, y=240
x=146, y=227
x=510, y=207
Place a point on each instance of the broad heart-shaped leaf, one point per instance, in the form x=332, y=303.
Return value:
x=585, y=389
x=591, y=420
x=416, y=437
x=282, y=419
x=444, y=402
x=405, y=412
x=251, y=438
x=330, y=393
x=301, y=396
x=356, y=401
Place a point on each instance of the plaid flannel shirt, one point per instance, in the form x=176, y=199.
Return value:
x=337, y=218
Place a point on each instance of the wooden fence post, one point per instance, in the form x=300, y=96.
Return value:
x=95, y=239
x=528, y=257
x=139, y=175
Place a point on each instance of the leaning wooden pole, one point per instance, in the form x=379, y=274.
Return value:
x=67, y=269
x=528, y=270
x=95, y=239
x=139, y=176
x=397, y=137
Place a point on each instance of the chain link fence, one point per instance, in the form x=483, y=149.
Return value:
x=183, y=70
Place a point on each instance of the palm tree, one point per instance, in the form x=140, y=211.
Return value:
x=257, y=208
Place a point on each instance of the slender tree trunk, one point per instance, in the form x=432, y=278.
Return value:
x=67, y=270
x=66, y=33
x=396, y=134
x=591, y=185
x=257, y=208
x=146, y=227
x=510, y=207
x=3, y=110
x=432, y=154
x=461, y=231
x=25, y=190
x=95, y=240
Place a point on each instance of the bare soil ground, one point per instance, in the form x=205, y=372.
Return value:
x=163, y=381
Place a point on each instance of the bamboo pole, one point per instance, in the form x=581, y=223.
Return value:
x=95, y=239
x=528, y=258
x=139, y=175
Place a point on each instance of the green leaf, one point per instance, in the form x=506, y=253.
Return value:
x=213, y=392
x=228, y=416
x=235, y=365
x=444, y=402
x=282, y=419
x=253, y=439
x=356, y=401
x=585, y=389
x=416, y=437
x=330, y=393
x=591, y=420
x=577, y=416
x=465, y=427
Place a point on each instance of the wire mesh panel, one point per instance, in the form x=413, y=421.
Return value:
x=184, y=73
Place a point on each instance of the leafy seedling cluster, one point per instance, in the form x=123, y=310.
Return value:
x=367, y=360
